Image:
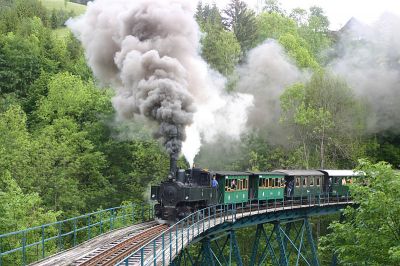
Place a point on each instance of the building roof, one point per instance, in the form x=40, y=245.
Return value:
x=299, y=172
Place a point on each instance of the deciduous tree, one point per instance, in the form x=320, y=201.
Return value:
x=370, y=232
x=325, y=119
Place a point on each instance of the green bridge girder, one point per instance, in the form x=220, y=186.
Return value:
x=281, y=238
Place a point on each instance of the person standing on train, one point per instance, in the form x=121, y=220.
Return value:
x=233, y=185
x=214, y=183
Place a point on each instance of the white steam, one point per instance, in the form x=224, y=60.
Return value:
x=266, y=74
x=369, y=60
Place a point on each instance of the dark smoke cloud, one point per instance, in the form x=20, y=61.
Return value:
x=369, y=60
x=147, y=50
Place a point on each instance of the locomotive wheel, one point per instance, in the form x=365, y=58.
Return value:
x=158, y=210
x=183, y=211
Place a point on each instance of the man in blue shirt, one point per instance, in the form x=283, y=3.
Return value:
x=214, y=182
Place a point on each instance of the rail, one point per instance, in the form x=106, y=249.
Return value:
x=162, y=249
x=115, y=253
x=36, y=243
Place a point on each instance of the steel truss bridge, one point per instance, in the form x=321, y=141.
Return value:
x=283, y=235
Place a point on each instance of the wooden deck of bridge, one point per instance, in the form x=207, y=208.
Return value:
x=69, y=256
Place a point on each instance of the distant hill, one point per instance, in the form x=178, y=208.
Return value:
x=60, y=4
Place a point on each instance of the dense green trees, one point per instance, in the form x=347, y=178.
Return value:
x=221, y=50
x=370, y=233
x=327, y=122
x=220, y=47
x=56, y=146
x=20, y=64
x=242, y=22
x=62, y=153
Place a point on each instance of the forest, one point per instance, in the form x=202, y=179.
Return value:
x=322, y=102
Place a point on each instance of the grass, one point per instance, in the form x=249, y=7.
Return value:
x=78, y=9
x=60, y=4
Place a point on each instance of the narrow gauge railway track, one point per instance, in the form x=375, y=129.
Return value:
x=120, y=249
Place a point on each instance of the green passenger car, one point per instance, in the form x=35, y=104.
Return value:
x=338, y=180
x=303, y=183
x=233, y=186
x=266, y=186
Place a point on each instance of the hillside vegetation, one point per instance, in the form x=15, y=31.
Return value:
x=62, y=152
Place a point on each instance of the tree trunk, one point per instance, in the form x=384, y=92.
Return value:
x=322, y=148
x=305, y=154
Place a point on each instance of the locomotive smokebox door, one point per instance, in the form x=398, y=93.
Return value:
x=155, y=193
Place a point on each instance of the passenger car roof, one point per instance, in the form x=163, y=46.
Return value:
x=230, y=173
x=266, y=173
x=339, y=173
x=299, y=172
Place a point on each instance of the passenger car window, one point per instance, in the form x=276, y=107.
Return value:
x=297, y=181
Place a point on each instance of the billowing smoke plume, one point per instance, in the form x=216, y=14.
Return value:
x=148, y=51
x=369, y=59
x=266, y=74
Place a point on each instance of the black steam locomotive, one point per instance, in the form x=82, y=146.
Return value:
x=187, y=191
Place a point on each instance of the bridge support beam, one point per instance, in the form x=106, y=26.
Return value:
x=314, y=254
x=235, y=247
x=279, y=243
x=284, y=243
x=208, y=254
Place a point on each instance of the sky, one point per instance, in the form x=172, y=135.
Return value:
x=338, y=11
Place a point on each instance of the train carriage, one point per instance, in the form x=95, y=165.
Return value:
x=336, y=181
x=232, y=186
x=302, y=183
x=266, y=185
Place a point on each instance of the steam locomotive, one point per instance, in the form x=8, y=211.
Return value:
x=186, y=191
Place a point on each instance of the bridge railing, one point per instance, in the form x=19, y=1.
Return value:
x=168, y=244
x=35, y=243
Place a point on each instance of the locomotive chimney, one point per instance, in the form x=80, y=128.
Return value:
x=173, y=153
x=172, y=167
